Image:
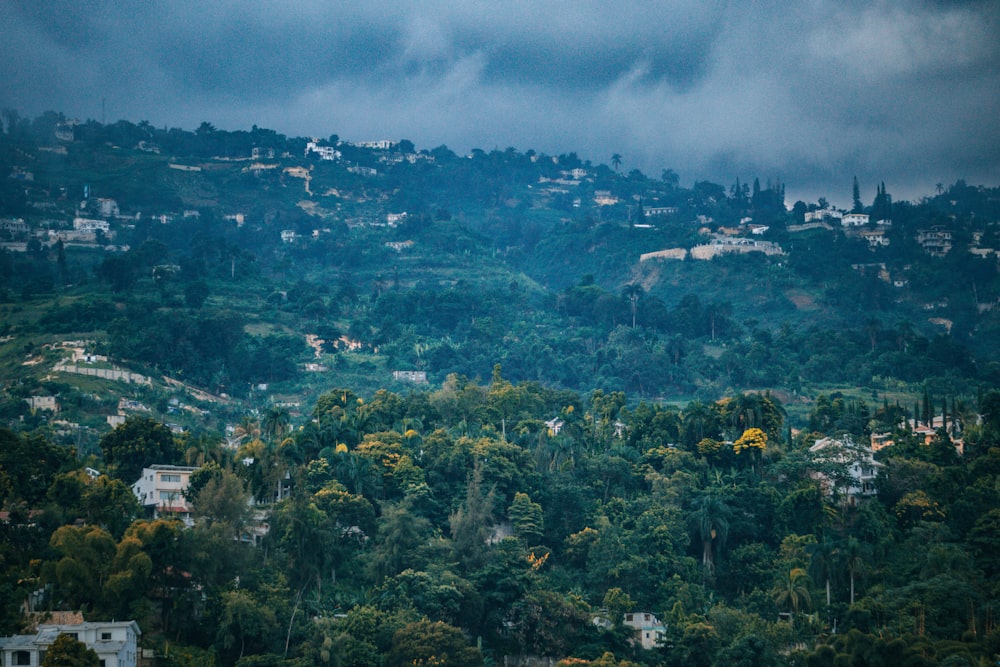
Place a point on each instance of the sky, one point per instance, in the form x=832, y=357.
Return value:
x=809, y=93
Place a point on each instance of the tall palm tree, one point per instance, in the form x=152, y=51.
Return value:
x=632, y=292
x=853, y=561
x=793, y=592
x=824, y=554
x=709, y=519
x=616, y=161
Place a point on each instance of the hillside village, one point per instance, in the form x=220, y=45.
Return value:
x=289, y=401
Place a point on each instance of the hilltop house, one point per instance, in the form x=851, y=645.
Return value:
x=116, y=643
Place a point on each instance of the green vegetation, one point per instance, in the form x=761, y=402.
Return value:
x=598, y=435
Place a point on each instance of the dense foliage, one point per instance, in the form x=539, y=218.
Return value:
x=599, y=434
x=404, y=527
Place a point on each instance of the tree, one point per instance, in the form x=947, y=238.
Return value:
x=276, y=423
x=432, y=643
x=222, y=499
x=66, y=651
x=854, y=561
x=195, y=294
x=709, y=518
x=616, y=161
x=857, y=206
x=632, y=292
x=793, y=592
x=245, y=623
x=135, y=444
x=526, y=517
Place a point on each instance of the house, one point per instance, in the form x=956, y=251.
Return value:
x=116, y=643
x=651, y=211
x=14, y=226
x=324, y=152
x=876, y=238
x=822, y=214
x=393, y=219
x=605, y=198
x=43, y=403
x=854, y=219
x=381, y=144
x=418, y=377
x=649, y=631
x=936, y=241
x=161, y=491
x=849, y=469
x=90, y=225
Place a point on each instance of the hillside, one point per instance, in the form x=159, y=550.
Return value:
x=285, y=402
x=214, y=258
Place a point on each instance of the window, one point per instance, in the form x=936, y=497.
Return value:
x=22, y=658
x=170, y=478
x=170, y=496
x=105, y=636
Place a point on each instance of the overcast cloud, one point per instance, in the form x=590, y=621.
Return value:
x=809, y=93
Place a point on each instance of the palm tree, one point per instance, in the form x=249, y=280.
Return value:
x=247, y=430
x=699, y=421
x=616, y=161
x=276, y=423
x=710, y=521
x=793, y=592
x=632, y=292
x=853, y=561
x=824, y=554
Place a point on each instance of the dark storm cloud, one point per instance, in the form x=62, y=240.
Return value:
x=808, y=93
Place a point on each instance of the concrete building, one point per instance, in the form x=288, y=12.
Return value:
x=116, y=643
x=161, y=491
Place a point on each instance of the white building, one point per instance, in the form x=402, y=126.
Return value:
x=419, y=377
x=849, y=469
x=91, y=225
x=161, y=490
x=650, y=211
x=381, y=144
x=854, y=219
x=116, y=644
x=822, y=214
x=43, y=403
x=649, y=631
x=324, y=152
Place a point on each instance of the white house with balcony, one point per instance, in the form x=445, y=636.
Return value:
x=116, y=643
x=161, y=491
